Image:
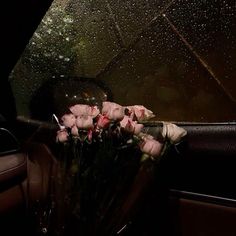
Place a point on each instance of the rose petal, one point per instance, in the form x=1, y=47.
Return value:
x=62, y=136
x=138, y=128
x=127, y=124
x=84, y=122
x=113, y=111
x=74, y=131
x=173, y=132
x=103, y=122
x=68, y=120
x=141, y=112
x=151, y=147
x=84, y=110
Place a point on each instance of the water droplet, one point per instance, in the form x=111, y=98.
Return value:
x=49, y=31
x=46, y=54
x=67, y=19
x=37, y=35
x=49, y=19
x=44, y=230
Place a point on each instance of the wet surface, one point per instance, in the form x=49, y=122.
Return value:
x=210, y=29
x=175, y=57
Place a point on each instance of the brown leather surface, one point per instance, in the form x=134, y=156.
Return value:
x=12, y=198
x=12, y=166
x=40, y=171
x=36, y=167
x=198, y=218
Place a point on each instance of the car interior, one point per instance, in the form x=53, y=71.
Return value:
x=175, y=57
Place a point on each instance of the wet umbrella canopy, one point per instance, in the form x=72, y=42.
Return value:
x=57, y=95
x=175, y=57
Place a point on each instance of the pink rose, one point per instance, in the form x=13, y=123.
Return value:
x=62, y=136
x=141, y=112
x=94, y=111
x=113, y=111
x=131, y=126
x=138, y=128
x=173, y=132
x=151, y=147
x=84, y=110
x=90, y=135
x=84, y=122
x=103, y=122
x=127, y=124
x=74, y=131
x=68, y=120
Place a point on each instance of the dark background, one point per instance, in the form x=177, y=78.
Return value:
x=19, y=19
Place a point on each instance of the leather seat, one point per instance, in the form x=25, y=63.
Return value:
x=25, y=182
x=13, y=172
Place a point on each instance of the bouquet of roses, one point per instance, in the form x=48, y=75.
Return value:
x=101, y=151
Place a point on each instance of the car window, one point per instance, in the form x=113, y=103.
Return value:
x=177, y=58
